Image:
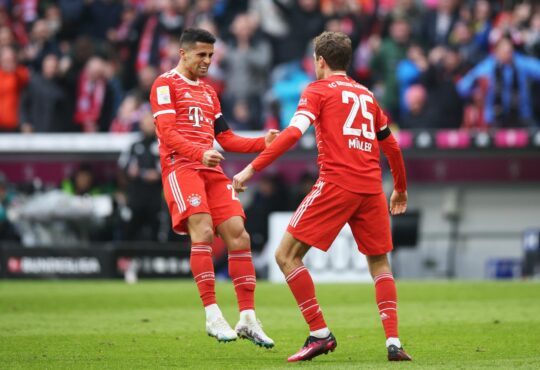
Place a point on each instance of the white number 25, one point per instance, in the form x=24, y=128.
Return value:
x=359, y=101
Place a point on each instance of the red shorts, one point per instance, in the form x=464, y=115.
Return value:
x=326, y=209
x=189, y=191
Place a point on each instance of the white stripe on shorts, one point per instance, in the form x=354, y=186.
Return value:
x=177, y=194
x=306, y=203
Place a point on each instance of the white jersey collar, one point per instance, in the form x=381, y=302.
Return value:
x=187, y=80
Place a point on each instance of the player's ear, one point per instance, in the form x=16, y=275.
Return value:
x=321, y=62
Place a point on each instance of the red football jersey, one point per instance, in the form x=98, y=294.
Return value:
x=196, y=106
x=346, y=119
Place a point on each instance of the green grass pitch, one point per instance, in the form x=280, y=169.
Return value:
x=160, y=325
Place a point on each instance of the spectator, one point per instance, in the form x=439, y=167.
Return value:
x=289, y=82
x=438, y=24
x=473, y=115
x=14, y=78
x=419, y=115
x=43, y=104
x=6, y=37
x=141, y=168
x=384, y=64
x=41, y=44
x=409, y=71
x=482, y=24
x=508, y=73
x=463, y=40
x=246, y=64
x=532, y=36
x=445, y=104
x=129, y=114
x=99, y=17
x=305, y=21
x=82, y=182
x=94, y=98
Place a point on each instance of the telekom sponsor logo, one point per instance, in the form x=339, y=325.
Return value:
x=453, y=139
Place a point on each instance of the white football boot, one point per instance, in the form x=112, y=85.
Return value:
x=250, y=328
x=220, y=329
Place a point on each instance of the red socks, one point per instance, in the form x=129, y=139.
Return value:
x=242, y=274
x=202, y=269
x=386, y=297
x=302, y=288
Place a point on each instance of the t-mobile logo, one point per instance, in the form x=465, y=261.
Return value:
x=196, y=115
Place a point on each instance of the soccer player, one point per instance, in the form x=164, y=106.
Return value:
x=200, y=197
x=350, y=128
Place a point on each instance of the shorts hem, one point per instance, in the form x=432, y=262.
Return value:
x=308, y=241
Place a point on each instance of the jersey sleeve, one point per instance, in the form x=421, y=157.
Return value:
x=162, y=97
x=382, y=120
x=309, y=105
x=216, y=102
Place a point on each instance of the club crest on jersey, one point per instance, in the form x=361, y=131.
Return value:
x=194, y=200
x=163, y=95
x=209, y=98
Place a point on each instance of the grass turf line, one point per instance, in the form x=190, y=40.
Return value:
x=160, y=325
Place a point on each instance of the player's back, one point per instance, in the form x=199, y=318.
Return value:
x=346, y=127
x=195, y=106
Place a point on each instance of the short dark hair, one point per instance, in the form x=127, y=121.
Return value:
x=192, y=35
x=335, y=48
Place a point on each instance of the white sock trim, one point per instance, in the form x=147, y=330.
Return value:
x=320, y=333
x=393, y=341
x=247, y=315
x=212, y=312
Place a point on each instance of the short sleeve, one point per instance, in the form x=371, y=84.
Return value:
x=162, y=97
x=382, y=120
x=309, y=104
x=216, y=103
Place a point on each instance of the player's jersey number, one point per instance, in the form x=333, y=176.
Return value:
x=358, y=102
x=233, y=193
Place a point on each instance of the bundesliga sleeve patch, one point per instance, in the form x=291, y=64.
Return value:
x=163, y=95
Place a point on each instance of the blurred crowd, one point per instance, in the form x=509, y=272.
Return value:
x=88, y=65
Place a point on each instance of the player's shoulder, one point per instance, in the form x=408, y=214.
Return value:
x=207, y=87
x=167, y=77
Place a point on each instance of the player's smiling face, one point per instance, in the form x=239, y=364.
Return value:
x=196, y=59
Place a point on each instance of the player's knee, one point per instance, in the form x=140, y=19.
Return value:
x=204, y=234
x=281, y=258
x=240, y=241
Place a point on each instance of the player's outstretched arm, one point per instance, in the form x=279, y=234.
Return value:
x=280, y=145
x=391, y=150
x=230, y=142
